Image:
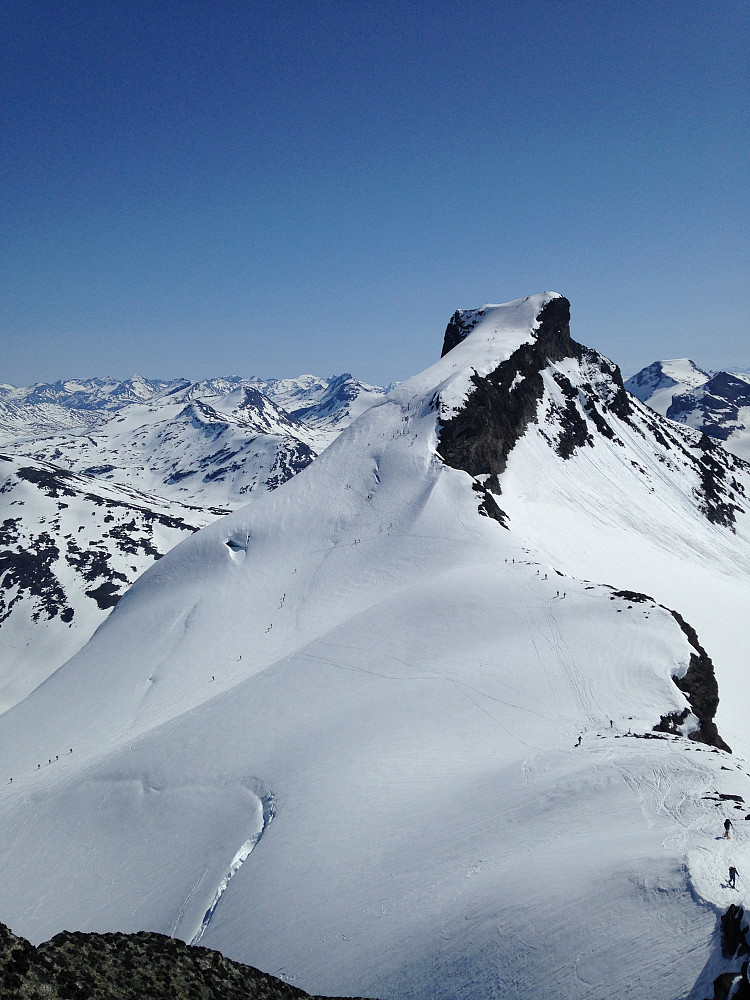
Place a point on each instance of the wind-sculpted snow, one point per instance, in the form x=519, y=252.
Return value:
x=240, y=857
x=455, y=713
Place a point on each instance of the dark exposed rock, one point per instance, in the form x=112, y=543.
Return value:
x=735, y=945
x=574, y=431
x=460, y=325
x=29, y=570
x=48, y=570
x=713, y=495
x=54, y=482
x=723, y=985
x=77, y=966
x=479, y=438
x=488, y=505
x=105, y=595
x=734, y=939
x=714, y=406
x=698, y=684
x=633, y=596
x=501, y=405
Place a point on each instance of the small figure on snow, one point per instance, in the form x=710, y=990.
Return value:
x=579, y=742
x=733, y=873
x=727, y=828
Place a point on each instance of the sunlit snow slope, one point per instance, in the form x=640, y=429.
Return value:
x=389, y=730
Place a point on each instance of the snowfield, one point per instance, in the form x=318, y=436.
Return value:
x=366, y=738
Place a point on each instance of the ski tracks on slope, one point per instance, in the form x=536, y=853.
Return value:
x=678, y=784
x=577, y=683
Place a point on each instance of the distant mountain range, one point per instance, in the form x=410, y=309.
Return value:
x=99, y=478
x=717, y=404
x=209, y=443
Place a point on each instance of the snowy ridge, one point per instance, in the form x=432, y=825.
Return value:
x=455, y=711
x=493, y=334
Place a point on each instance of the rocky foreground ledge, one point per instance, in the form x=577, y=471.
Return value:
x=77, y=966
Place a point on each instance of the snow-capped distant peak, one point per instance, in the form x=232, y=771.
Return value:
x=660, y=381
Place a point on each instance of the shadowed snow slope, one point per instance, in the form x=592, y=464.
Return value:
x=361, y=698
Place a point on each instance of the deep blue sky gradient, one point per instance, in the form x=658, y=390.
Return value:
x=196, y=188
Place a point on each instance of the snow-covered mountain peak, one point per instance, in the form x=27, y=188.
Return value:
x=716, y=404
x=505, y=320
x=479, y=342
x=360, y=732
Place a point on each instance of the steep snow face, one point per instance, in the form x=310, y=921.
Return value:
x=382, y=690
x=70, y=547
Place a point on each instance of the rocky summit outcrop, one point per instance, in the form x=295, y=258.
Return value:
x=481, y=435
x=584, y=401
x=77, y=966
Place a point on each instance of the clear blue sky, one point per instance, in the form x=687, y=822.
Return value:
x=195, y=188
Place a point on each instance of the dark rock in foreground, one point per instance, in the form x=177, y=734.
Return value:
x=77, y=966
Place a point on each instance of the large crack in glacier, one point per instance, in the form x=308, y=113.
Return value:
x=269, y=811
